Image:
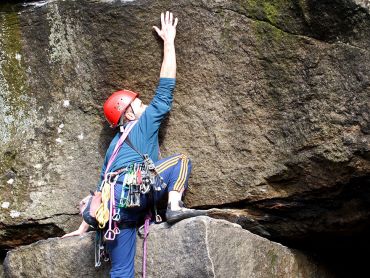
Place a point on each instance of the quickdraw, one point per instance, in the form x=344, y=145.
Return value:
x=100, y=252
x=139, y=179
x=110, y=233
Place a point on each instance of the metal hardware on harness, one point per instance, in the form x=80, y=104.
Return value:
x=156, y=180
x=116, y=230
x=139, y=179
x=123, y=201
x=99, y=249
x=111, y=233
x=158, y=218
x=133, y=187
x=116, y=217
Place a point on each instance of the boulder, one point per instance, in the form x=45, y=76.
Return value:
x=2, y=271
x=198, y=247
x=54, y=257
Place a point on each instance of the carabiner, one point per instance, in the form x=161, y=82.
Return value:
x=158, y=219
x=109, y=235
x=116, y=230
x=116, y=216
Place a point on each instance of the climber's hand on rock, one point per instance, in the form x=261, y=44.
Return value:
x=84, y=227
x=168, y=31
x=74, y=233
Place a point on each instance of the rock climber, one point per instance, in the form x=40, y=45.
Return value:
x=121, y=109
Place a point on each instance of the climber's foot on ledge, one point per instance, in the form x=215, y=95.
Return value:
x=174, y=216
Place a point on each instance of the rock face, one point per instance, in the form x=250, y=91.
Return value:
x=271, y=104
x=73, y=257
x=1, y=271
x=198, y=247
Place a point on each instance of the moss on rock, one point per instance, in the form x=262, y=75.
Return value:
x=14, y=99
x=271, y=11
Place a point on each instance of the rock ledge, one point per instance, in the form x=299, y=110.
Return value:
x=196, y=247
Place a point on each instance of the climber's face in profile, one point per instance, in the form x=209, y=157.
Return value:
x=135, y=110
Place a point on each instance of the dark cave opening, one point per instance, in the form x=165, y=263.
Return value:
x=331, y=225
x=339, y=236
x=343, y=256
x=2, y=255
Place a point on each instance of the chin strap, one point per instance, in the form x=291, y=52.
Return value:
x=121, y=121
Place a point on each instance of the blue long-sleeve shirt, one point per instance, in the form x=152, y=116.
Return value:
x=144, y=135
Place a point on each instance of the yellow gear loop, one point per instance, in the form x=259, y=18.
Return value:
x=102, y=213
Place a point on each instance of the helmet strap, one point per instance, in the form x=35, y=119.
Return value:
x=132, y=109
x=121, y=122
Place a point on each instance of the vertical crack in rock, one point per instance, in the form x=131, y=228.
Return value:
x=207, y=247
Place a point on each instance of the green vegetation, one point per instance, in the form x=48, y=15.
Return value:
x=269, y=10
x=12, y=71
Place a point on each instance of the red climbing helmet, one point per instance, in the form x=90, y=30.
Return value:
x=117, y=104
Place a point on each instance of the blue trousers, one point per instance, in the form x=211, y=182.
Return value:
x=175, y=171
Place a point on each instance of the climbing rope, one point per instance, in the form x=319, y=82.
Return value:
x=102, y=214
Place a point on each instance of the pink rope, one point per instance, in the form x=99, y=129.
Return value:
x=119, y=145
x=146, y=231
x=110, y=234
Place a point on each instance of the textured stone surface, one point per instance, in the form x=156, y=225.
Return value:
x=55, y=257
x=271, y=104
x=198, y=247
x=2, y=271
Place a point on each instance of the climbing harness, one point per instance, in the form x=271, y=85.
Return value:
x=151, y=179
x=105, y=212
x=139, y=179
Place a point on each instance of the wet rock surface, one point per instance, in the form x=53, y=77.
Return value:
x=197, y=247
x=271, y=104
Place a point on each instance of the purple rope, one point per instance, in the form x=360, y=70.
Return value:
x=119, y=144
x=111, y=159
x=146, y=231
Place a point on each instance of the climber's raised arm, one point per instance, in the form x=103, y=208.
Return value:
x=168, y=34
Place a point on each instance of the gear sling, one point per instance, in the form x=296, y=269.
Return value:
x=140, y=179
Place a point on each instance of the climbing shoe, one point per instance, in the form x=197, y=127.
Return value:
x=174, y=216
